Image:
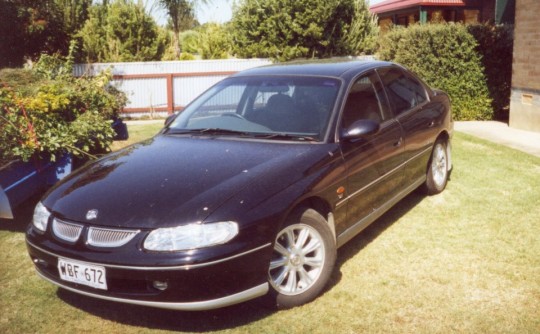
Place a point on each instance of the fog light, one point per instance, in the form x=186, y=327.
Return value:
x=40, y=262
x=160, y=285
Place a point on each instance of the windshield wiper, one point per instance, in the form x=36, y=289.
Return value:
x=210, y=131
x=220, y=131
x=287, y=136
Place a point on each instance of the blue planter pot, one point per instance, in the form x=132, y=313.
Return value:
x=21, y=180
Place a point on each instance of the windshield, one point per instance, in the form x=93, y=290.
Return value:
x=273, y=107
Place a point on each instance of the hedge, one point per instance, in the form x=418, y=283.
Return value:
x=446, y=57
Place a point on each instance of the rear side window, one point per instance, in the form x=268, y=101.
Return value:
x=404, y=91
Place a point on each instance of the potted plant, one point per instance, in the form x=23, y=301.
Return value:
x=47, y=119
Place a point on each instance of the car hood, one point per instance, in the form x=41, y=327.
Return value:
x=168, y=180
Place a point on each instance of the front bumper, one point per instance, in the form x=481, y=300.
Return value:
x=236, y=298
x=202, y=286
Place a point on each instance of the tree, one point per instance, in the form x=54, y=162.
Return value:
x=362, y=37
x=29, y=28
x=12, y=31
x=93, y=36
x=213, y=41
x=284, y=29
x=74, y=14
x=182, y=16
x=189, y=41
x=121, y=31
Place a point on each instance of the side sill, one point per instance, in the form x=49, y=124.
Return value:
x=352, y=231
x=257, y=291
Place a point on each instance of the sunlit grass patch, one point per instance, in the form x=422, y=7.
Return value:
x=466, y=260
x=138, y=132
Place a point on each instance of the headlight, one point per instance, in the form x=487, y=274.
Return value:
x=190, y=236
x=41, y=217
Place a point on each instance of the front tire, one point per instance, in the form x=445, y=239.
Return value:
x=437, y=173
x=303, y=259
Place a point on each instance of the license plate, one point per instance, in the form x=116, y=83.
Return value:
x=82, y=273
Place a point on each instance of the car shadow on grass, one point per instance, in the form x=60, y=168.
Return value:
x=162, y=319
x=364, y=238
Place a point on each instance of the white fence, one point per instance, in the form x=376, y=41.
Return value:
x=160, y=88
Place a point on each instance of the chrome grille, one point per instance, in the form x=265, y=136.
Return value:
x=104, y=237
x=66, y=231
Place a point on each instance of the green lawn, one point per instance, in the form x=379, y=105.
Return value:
x=467, y=260
x=138, y=132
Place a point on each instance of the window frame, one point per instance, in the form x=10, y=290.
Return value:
x=410, y=76
x=384, y=108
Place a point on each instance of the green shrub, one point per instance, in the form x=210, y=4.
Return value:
x=285, y=30
x=55, y=113
x=495, y=44
x=189, y=41
x=446, y=57
x=187, y=56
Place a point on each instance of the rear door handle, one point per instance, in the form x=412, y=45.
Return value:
x=399, y=142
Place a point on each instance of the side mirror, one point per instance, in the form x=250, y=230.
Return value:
x=363, y=128
x=170, y=118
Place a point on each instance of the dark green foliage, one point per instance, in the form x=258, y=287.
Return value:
x=284, y=29
x=495, y=44
x=12, y=32
x=29, y=28
x=121, y=31
x=446, y=57
x=74, y=14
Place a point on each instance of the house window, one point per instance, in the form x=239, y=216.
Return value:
x=437, y=16
x=471, y=16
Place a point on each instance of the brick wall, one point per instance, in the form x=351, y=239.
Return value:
x=525, y=98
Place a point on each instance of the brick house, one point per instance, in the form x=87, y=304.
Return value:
x=525, y=93
x=407, y=12
x=525, y=96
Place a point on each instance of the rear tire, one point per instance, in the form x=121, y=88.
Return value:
x=303, y=259
x=437, y=173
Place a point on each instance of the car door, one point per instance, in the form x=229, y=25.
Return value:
x=373, y=164
x=410, y=103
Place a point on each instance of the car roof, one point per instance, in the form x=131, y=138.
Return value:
x=325, y=67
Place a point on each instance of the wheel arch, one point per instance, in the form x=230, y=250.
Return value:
x=322, y=207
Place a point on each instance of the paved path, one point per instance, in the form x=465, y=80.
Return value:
x=501, y=133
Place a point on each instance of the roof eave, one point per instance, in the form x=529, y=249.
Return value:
x=393, y=5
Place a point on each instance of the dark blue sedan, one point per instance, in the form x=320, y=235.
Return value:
x=249, y=191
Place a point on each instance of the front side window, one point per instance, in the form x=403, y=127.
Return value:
x=261, y=106
x=404, y=91
x=365, y=101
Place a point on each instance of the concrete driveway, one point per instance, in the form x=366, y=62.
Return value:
x=501, y=133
